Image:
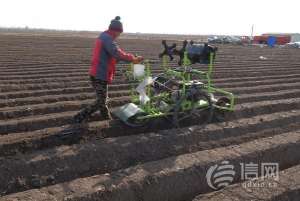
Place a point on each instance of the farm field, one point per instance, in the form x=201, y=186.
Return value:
x=44, y=83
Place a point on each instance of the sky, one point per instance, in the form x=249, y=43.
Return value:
x=224, y=17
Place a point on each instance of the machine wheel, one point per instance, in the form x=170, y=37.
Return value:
x=194, y=113
x=220, y=115
x=135, y=122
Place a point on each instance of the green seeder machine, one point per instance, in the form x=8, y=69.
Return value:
x=180, y=94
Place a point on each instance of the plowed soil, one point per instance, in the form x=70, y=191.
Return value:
x=44, y=82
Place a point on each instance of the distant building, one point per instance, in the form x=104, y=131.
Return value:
x=281, y=38
x=295, y=37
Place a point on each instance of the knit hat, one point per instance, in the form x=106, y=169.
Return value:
x=116, y=25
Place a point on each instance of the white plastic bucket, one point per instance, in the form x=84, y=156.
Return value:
x=138, y=70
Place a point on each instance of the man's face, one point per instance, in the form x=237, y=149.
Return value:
x=118, y=34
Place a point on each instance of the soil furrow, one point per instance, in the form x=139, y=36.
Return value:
x=27, y=100
x=41, y=139
x=15, y=88
x=59, y=119
x=78, y=102
x=80, y=78
x=175, y=178
x=287, y=188
x=216, y=74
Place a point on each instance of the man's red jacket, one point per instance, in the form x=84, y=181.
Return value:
x=105, y=56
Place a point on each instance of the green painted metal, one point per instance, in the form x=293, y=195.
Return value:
x=184, y=75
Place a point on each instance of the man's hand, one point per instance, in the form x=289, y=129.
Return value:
x=137, y=59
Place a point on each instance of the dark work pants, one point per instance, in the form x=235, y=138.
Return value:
x=100, y=103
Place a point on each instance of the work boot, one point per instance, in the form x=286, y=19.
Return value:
x=78, y=118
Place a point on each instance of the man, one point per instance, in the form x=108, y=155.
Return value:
x=105, y=56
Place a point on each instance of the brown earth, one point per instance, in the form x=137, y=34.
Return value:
x=44, y=82
x=288, y=188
